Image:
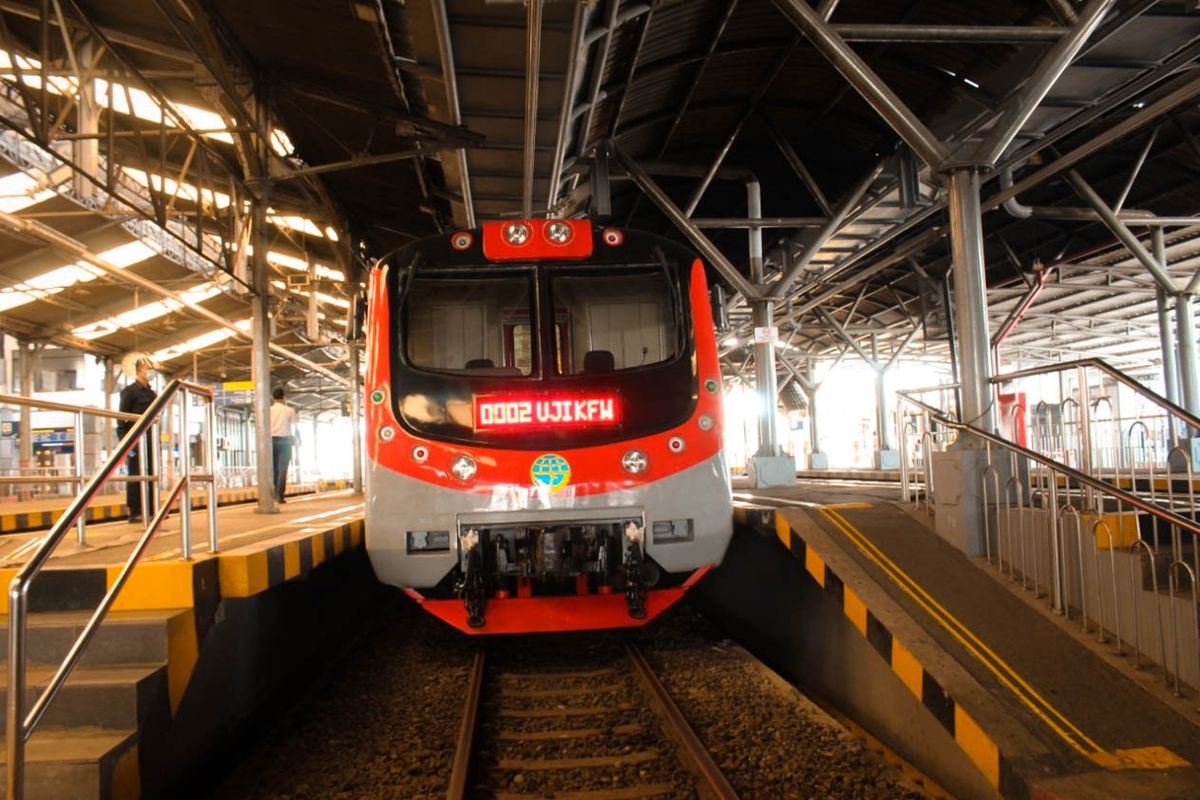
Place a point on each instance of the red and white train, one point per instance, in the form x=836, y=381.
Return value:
x=543, y=406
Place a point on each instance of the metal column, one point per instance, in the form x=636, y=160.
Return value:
x=356, y=416
x=1166, y=340
x=260, y=357
x=764, y=352
x=1185, y=328
x=970, y=298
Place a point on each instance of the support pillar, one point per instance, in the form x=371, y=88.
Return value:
x=957, y=472
x=1166, y=339
x=1185, y=328
x=816, y=459
x=767, y=467
x=970, y=299
x=86, y=152
x=260, y=357
x=886, y=456
x=29, y=355
x=356, y=416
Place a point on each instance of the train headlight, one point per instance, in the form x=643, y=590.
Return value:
x=463, y=468
x=516, y=233
x=559, y=232
x=705, y=422
x=676, y=444
x=387, y=433
x=420, y=454
x=634, y=462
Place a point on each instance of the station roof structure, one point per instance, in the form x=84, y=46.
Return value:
x=133, y=136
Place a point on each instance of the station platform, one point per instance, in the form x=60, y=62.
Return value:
x=29, y=515
x=191, y=649
x=1038, y=707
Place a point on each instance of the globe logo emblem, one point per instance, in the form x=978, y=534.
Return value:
x=550, y=471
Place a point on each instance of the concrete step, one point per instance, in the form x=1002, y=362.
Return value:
x=114, y=696
x=79, y=764
x=125, y=637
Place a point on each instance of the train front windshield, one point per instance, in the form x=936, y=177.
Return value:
x=467, y=334
x=483, y=326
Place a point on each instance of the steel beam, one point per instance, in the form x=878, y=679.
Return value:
x=710, y=251
x=793, y=158
x=1189, y=371
x=991, y=34
x=441, y=25
x=1120, y=230
x=533, y=61
x=1018, y=108
x=866, y=82
x=830, y=228
x=574, y=53
x=1166, y=340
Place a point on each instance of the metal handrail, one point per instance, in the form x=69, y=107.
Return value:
x=49, y=405
x=1112, y=372
x=1070, y=472
x=19, y=726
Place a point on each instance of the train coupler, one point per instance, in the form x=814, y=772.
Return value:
x=473, y=587
x=635, y=580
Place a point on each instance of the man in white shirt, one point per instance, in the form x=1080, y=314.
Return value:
x=283, y=429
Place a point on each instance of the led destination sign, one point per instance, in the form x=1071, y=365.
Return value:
x=546, y=411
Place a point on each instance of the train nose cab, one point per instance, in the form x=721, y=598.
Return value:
x=543, y=426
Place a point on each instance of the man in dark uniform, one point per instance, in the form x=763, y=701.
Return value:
x=135, y=399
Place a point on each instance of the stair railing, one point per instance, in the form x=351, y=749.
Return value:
x=21, y=725
x=1058, y=480
x=78, y=467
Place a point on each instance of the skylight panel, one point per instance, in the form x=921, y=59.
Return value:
x=208, y=339
x=54, y=281
x=300, y=265
x=150, y=311
x=185, y=191
x=135, y=102
x=19, y=191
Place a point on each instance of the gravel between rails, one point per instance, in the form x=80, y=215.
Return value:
x=382, y=724
x=769, y=740
x=384, y=720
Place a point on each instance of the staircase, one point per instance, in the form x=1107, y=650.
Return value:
x=114, y=706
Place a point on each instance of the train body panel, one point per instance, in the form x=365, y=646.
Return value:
x=397, y=504
x=544, y=425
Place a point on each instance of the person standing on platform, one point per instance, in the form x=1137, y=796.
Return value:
x=284, y=433
x=135, y=399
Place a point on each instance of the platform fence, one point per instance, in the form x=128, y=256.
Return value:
x=1112, y=548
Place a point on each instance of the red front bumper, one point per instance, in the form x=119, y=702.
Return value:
x=581, y=612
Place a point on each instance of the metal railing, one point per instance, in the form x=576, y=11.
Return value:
x=20, y=725
x=1122, y=430
x=78, y=467
x=1040, y=550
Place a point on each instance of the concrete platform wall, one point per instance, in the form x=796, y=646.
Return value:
x=801, y=629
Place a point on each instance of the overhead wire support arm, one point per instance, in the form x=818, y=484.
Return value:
x=533, y=60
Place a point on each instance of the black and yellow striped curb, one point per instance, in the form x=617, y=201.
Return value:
x=192, y=589
x=974, y=742
x=19, y=521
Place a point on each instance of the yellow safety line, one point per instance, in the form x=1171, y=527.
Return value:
x=1028, y=696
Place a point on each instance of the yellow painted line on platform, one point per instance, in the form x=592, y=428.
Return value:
x=291, y=560
x=815, y=565
x=1009, y=677
x=849, y=506
x=244, y=575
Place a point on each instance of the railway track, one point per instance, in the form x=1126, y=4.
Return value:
x=577, y=728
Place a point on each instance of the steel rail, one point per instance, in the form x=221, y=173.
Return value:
x=699, y=755
x=461, y=767
x=1081, y=478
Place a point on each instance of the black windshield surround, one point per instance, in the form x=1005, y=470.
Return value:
x=439, y=405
